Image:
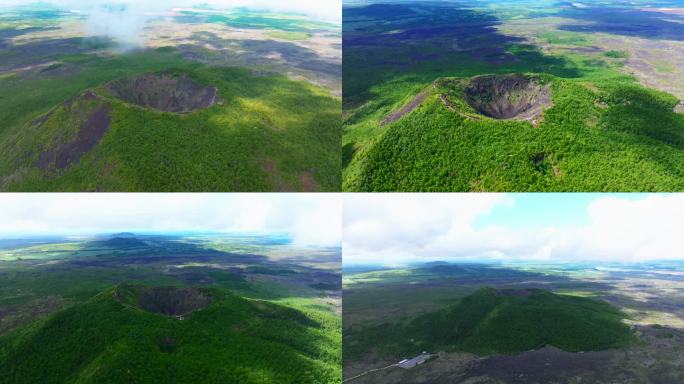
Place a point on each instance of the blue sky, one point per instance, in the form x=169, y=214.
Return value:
x=546, y=209
x=402, y=228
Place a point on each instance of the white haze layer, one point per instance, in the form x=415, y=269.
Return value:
x=125, y=20
x=310, y=219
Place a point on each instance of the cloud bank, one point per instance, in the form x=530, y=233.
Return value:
x=398, y=229
x=311, y=219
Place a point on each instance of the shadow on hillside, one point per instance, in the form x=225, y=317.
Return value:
x=383, y=42
x=262, y=53
x=626, y=22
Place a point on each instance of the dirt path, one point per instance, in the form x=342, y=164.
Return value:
x=368, y=372
x=450, y=107
x=415, y=103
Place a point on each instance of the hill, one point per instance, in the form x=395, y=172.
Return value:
x=142, y=334
x=607, y=116
x=119, y=242
x=491, y=321
x=153, y=122
x=525, y=132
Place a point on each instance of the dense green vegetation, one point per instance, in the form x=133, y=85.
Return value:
x=491, y=321
x=617, y=54
x=270, y=133
x=110, y=338
x=604, y=132
x=558, y=37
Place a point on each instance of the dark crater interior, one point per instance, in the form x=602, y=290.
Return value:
x=173, y=301
x=164, y=92
x=514, y=96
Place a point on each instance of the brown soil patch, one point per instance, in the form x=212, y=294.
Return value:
x=308, y=182
x=165, y=92
x=413, y=104
x=508, y=97
x=279, y=185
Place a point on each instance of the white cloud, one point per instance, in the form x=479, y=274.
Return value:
x=629, y=230
x=311, y=219
x=395, y=229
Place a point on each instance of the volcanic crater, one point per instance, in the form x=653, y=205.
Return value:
x=165, y=92
x=508, y=97
x=173, y=301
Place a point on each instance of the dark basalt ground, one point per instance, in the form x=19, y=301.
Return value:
x=94, y=125
x=504, y=97
x=173, y=301
x=164, y=92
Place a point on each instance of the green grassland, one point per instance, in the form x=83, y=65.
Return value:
x=604, y=132
x=490, y=321
x=271, y=133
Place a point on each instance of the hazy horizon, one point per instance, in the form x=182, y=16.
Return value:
x=310, y=219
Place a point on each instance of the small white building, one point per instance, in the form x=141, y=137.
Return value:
x=410, y=363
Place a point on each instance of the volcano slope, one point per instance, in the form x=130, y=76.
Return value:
x=446, y=98
x=528, y=132
x=491, y=321
x=132, y=333
x=152, y=120
x=191, y=128
x=493, y=324
x=220, y=99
